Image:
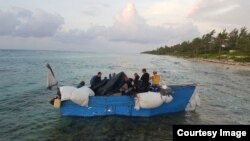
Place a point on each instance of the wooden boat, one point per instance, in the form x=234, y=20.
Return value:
x=124, y=105
x=184, y=97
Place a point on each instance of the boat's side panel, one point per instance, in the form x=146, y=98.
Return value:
x=124, y=105
x=181, y=97
x=71, y=109
x=99, y=106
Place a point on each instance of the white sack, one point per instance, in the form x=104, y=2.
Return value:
x=149, y=100
x=169, y=98
x=81, y=96
x=66, y=92
x=137, y=104
x=87, y=90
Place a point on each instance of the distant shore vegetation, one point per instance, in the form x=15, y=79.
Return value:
x=230, y=46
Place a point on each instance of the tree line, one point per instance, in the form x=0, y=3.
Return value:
x=233, y=45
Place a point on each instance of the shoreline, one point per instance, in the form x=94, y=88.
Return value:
x=226, y=63
x=236, y=65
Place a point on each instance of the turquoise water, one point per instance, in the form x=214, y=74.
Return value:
x=25, y=113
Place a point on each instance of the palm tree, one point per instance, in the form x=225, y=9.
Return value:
x=233, y=38
x=207, y=39
x=196, y=43
x=222, y=37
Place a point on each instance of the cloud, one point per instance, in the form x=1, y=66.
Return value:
x=8, y=22
x=129, y=26
x=81, y=37
x=210, y=9
x=167, y=12
x=225, y=12
x=129, y=32
x=24, y=23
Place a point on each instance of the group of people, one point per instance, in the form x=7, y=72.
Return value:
x=121, y=84
x=136, y=84
x=145, y=79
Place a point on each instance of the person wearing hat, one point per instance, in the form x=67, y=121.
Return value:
x=155, y=79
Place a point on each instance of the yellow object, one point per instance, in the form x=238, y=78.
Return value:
x=155, y=79
x=57, y=103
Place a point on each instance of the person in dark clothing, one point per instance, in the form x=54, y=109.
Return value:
x=127, y=88
x=112, y=75
x=145, y=80
x=82, y=83
x=96, y=79
x=128, y=81
x=110, y=86
x=136, y=82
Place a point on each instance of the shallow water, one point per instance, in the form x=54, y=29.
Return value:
x=25, y=113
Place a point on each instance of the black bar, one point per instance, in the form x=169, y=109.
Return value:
x=211, y=132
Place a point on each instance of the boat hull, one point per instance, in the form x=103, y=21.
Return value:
x=124, y=105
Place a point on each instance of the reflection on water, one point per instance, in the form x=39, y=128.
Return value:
x=116, y=128
x=25, y=113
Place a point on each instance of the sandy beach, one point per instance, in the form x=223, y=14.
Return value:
x=227, y=64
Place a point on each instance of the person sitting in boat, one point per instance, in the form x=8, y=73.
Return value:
x=112, y=75
x=82, y=83
x=145, y=80
x=155, y=79
x=96, y=79
x=127, y=88
x=136, y=82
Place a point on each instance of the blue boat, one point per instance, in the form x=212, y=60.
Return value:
x=124, y=105
x=104, y=104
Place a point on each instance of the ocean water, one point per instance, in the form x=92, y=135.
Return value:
x=25, y=112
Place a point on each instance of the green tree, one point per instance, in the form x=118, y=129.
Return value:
x=221, y=39
x=211, y=45
x=233, y=37
x=244, y=40
x=196, y=45
x=207, y=41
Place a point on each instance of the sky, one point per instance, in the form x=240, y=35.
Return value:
x=114, y=25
